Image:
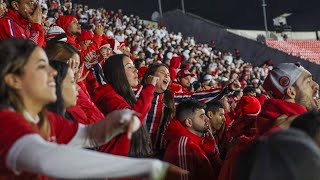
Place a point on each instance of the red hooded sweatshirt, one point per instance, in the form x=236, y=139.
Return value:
x=272, y=109
x=64, y=22
x=174, y=65
x=14, y=25
x=107, y=100
x=185, y=149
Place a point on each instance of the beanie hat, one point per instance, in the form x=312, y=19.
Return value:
x=248, y=105
x=85, y=35
x=56, y=33
x=282, y=77
x=65, y=21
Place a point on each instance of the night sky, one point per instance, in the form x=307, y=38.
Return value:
x=242, y=14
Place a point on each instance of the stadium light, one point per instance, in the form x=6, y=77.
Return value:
x=264, y=5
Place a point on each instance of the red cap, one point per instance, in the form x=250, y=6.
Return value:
x=184, y=73
x=85, y=35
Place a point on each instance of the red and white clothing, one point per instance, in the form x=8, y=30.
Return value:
x=186, y=150
x=14, y=126
x=23, y=149
x=155, y=118
x=202, y=96
x=14, y=25
x=107, y=100
x=64, y=22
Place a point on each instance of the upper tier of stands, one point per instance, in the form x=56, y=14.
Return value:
x=305, y=49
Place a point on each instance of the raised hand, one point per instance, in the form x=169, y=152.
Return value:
x=152, y=80
x=36, y=17
x=99, y=30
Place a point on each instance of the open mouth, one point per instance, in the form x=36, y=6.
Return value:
x=165, y=81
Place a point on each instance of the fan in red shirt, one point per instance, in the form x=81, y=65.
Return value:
x=121, y=76
x=28, y=129
x=23, y=20
x=162, y=108
x=292, y=90
x=184, y=139
x=85, y=110
x=241, y=134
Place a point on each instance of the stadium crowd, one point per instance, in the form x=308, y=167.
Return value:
x=93, y=94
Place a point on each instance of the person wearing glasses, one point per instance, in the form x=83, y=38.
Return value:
x=23, y=20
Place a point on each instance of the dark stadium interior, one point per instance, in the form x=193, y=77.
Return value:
x=245, y=14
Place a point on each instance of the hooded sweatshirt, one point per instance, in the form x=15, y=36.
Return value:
x=14, y=25
x=272, y=109
x=64, y=22
x=174, y=65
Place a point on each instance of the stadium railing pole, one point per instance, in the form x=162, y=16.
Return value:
x=265, y=17
x=160, y=11
x=182, y=6
x=160, y=8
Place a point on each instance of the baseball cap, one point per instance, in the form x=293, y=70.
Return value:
x=184, y=73
x=282, y=77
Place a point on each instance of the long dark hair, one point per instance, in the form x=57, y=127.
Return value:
x=14, y=55
x=168, y=111
x=62, y=69
x=115, y=75
x=168, y=97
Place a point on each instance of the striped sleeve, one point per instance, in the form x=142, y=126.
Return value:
x=182, y=153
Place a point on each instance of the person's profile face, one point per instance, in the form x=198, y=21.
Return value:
x=305, y=87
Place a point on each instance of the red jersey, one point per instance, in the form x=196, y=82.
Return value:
x=14, y=126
